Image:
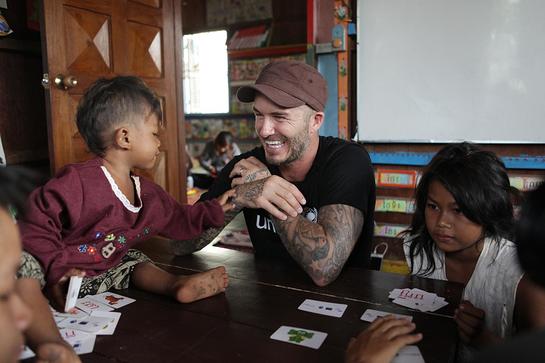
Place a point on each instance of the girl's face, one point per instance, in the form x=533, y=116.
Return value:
x=447, y=225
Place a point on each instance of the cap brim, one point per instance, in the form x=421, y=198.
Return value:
x=281, y=98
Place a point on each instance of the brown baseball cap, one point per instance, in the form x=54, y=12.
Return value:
x=288, y=84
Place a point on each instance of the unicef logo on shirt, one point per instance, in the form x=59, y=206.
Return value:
x=311, y=214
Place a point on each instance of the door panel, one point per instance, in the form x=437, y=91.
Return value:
x=93, y=39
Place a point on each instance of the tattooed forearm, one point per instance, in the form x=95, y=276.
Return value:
x=181, y=248
x=322, y=248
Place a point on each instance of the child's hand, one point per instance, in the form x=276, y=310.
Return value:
x=381, y=341
x=57, y=293
x=225, y=200
x=470, y=321
x=56, y=353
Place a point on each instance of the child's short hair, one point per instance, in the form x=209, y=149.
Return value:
x=479, y=183
x=530, y=235
x=109, y=102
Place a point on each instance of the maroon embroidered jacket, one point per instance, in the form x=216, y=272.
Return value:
x=80, y=219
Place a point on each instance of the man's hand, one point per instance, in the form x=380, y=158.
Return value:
x=274, y=194
x=57, y=293
x=470, y=321
x=248, y=170
x=381, y=341
x=56, y=353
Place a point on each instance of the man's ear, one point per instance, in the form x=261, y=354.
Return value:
x=122, y=138
x=316, y=121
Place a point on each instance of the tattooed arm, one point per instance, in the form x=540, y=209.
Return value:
x=322, y=248
x=182, y=248
x=276, y=195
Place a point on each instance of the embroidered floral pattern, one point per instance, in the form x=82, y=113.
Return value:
x=82, y=248
x=99, y=235
x=121, y=239
x=91, y=250
x=109, y=237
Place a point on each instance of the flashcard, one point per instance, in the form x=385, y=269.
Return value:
x=305, y=337
x=111, y=299
x=370, y=315
x=114, y=319
x=71, y=335
x=89, y=305
x=26, y=353
x=90, y=324
x=408, y=354
x=75, y=314
x=323, y=307
x=84, y=346
x=73, y=291
x=417, y=299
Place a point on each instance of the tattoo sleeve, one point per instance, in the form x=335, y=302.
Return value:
x=322, y=248
x=181, y=248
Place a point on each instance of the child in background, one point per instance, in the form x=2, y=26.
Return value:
x=15, y=316
x=86, y=219
x=460, y=232
x=214, y=157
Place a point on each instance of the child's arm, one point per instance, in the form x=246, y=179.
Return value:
x=529, y=305
x=381, y=341
x=225, y=200
x=43, y=335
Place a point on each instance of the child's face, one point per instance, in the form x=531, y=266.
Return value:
x=146, y=142
x=14, y=314
x=450, y=229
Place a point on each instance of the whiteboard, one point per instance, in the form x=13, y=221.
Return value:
x=450, y=70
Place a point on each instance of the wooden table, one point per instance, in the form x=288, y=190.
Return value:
x=263, y=295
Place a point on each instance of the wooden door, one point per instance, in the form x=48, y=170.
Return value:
x=103, y=38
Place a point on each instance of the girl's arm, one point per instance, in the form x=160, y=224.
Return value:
x=529, y=305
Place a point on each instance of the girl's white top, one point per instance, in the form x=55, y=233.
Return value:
x=492, y=286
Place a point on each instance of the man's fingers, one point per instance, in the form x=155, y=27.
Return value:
x=271, y=208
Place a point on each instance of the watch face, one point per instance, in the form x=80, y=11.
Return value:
x=311, y=214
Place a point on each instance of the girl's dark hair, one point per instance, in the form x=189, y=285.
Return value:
x=15, y=184
x=530, y=235
x=109, y=102
x=478, y=181
x=224, y=138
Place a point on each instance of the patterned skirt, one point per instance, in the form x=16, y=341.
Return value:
x=117, y=277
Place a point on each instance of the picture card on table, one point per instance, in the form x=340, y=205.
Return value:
x=111, y=299
x=298, y=336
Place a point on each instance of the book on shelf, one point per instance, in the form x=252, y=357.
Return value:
x=254, y=37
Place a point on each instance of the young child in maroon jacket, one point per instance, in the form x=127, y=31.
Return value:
x=86, y=219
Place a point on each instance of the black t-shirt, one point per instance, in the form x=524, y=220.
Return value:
x=340, y=174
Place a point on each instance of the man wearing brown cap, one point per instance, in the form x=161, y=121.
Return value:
x=304, y=197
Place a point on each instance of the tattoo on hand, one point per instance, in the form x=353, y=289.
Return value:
x=253, y=190
x=259, y=174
